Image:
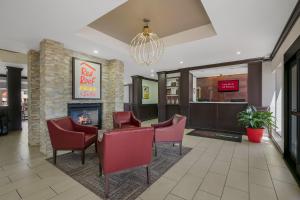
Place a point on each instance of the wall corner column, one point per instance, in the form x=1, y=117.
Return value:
x=33, y=67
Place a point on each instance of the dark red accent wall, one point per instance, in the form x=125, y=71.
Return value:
x=209, y=88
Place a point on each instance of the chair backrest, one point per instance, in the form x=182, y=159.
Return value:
x=64, y=123
x=122, y=116
x=126, y=148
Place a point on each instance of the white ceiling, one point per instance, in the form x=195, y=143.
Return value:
x=249, y=26
x=217, y=71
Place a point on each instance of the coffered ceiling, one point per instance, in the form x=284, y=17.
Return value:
x=167, y=17
x=251, y=27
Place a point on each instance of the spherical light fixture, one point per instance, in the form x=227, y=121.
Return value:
x=146, y=47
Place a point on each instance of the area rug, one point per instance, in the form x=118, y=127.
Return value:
x=217, y=135
x=127, y=185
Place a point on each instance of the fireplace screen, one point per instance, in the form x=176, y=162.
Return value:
x=85, y=114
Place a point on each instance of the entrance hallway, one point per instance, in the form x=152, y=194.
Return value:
x=212, y=170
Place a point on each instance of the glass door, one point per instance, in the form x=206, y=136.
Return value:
x=293, y=110
x=292, y=113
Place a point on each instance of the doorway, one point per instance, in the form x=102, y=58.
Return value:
x=292, y=108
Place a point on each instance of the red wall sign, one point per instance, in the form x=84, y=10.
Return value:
x=228, y=85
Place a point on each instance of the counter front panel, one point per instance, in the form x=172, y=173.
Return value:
x=216, y=116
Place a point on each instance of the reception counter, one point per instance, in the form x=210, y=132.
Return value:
x=216, y=116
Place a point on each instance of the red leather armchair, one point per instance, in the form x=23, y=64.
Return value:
x=170, y=131
x=65, y=134
x=125, y=120
x=122, y=149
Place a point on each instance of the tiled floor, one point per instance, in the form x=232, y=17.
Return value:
x=213, y=170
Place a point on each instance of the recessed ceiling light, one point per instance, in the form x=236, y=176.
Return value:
x=181, y=62
x=96, y=51
x=152, y=70
x=238, y=53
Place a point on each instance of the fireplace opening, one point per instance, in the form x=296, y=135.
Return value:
x=86, y=113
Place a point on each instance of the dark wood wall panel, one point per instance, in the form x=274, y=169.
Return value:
x=148, y=111
x=255, y=84
x=227, y=117
x=216, y=116
x=172, y=110
x=202, y=115
x=14, y=97
x=162, y=97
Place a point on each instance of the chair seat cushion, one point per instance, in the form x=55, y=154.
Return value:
x=128, y=125
x=89, y=139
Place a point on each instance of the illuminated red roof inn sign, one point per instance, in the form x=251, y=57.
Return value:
x=228, y=85
x=86, y=79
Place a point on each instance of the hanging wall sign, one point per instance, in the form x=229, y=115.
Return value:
x=228, y=85
x=86, y=79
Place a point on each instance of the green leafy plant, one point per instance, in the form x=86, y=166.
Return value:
x=251, y=118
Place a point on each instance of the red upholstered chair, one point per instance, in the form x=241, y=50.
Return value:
x=125, y=120
x=65, y=134
x=170, y=131
x=122, y=149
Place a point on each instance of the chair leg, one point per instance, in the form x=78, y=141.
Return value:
x=54, y=156
x=106, y=186
x=180, y=148
x=155, y=149
x=96, y=147
x=148, y=175
x=82, y=156
x=173, y=144
x=72, y=151
x=100, y=169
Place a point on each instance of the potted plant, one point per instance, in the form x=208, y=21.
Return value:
x=255, y=122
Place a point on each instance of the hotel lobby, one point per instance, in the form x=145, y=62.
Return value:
x=150, y=100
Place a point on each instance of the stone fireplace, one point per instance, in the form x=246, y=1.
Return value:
x=86, y=113
x=50, y=90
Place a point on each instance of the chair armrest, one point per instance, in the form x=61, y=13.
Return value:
x=87, y=129
x=162, y=124
x=135, y=121
x=65, y=139
x=169, y=133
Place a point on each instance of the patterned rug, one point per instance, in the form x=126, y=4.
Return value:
x=217, y=135
x=126, y=185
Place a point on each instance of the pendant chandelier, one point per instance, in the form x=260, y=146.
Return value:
x=146, y=47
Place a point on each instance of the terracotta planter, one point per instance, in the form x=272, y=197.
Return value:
x=255, y=134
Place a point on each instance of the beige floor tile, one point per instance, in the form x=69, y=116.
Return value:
x=92, y=196
x=260, y=177
x=286, y=191
x=201, y=167
x=238, y=180
x=4, y=181
x=74, y=193
x=201, y=195
x=176, y=173
x=213, y=184
x=220, y=167
x=234, y=194
x=12, y=195
x=159, y=190
x=41, y=194
x=224, y=156
x=20, y=175
x=239, y=165
x=173, y=197
x=276, y=161
x=281, y=174
x=258, y=192
x=64, y=185
x=258, y=162
x=187, y=187
x=13, y=186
